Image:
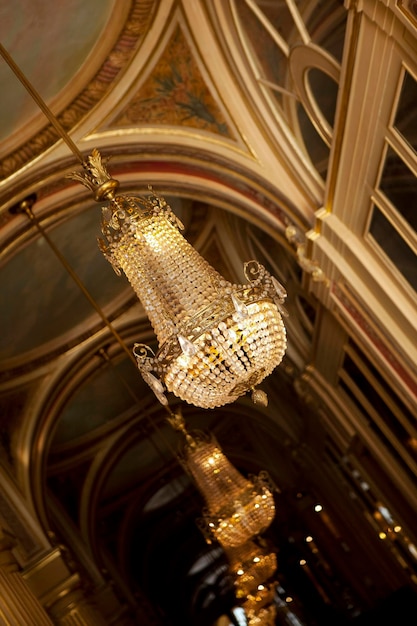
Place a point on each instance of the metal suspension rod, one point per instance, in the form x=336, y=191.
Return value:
x=147, y=417
x=41, y=104
x=26, y=207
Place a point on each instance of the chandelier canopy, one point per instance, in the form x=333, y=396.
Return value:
x=216, y=340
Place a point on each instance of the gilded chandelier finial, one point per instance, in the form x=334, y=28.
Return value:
x=96, y=177
x=177, y=422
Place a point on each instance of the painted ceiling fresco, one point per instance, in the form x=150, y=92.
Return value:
x=175, y=94
x=28, y=30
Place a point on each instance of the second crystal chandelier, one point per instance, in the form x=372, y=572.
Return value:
x=237, y=508
x=216, y=340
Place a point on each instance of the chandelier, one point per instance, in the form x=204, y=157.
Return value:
x=250, y=566
x=265, y=616
x=262, y=598
x=216, y=340
x=237, y=508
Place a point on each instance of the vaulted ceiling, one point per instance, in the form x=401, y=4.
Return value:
x=279, y=131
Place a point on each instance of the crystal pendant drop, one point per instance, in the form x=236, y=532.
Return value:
x=187, y=346
x=282, y=294
x=156, y=386
x=240, y=307
x=259, y=397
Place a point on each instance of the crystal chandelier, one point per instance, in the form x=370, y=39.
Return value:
x=265, y=616
x=237, y=508
x=216, y=340
x=250, y=566
x=260, y=599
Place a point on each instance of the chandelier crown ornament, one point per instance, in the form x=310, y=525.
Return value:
x=216, y=340
x=96, y=177
x=178, y=423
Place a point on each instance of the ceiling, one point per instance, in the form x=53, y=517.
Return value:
x=278, y=131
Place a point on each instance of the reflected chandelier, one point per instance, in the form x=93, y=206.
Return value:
x=237, y=508
x=216, y=340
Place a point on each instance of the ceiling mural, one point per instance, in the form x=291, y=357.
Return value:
x=42, y=289
x=123, y=24
x=28, y=33
x=280, y=132
x=175, y=94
